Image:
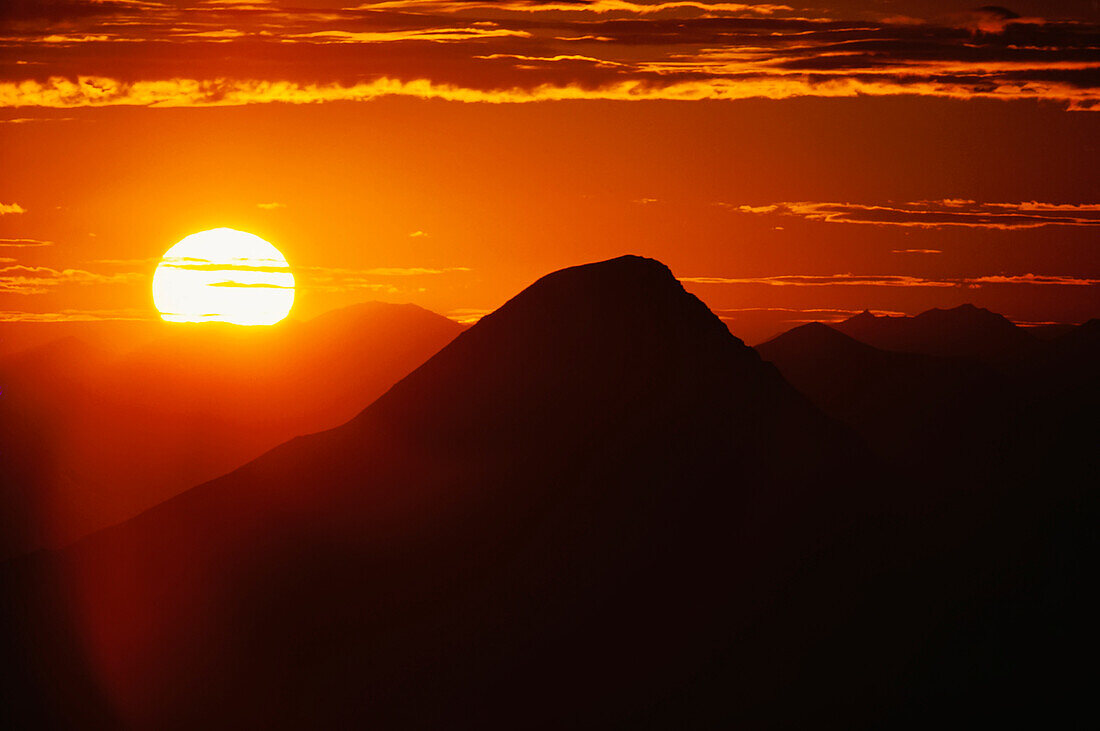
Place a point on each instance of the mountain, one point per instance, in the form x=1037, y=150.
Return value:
x=128, y=430
x=921, y=411
x=594, y=508
x=569, y=508
x=965, y=331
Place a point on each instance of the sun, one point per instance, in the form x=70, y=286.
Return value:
x=223, y=275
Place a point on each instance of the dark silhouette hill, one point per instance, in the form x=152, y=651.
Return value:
x=595, y=508
x=569, y=508
x=921, y=412
x=128, y=430
x=964, y=331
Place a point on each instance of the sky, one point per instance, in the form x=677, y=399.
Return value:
x=788, y=162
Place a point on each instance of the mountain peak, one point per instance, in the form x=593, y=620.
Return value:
x=816, y=338
x=600, y=333
x=628, y=275
x=964, y=312
x=626, y=295
x=966, y=330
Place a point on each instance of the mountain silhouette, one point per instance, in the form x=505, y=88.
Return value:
x=921, y=411
x=572, y=505
x=594, y=508
x=128, y=430
x=963, y=331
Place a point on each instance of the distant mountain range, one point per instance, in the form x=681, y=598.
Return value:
x=97, y=434
x=597, y=508
x=961, y=389
x=964, y=331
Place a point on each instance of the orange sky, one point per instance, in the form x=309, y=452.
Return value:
x=787, y=163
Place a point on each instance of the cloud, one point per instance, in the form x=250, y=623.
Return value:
x=948, y=212
x=529, y=50
x=1036, y=279
x=250, y=285
x=127, y=262
x=241, y=265
x=270, y=206
x=6, y=208
x=916, y=251
x=410, y=271
x=814, y=280
x=599, y=7
x=418, y=234
x=73, y=315
x=21, y=279
x=893, y=280
x=24, y=243
x=468, y=315
x=794, y=315
x=28, y=120
x=339, y=279
x=437, y=35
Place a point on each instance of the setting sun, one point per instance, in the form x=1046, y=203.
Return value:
x=223, y=275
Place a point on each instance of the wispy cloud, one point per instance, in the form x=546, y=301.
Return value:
x=74, y=315
x=21, y=279
x=270, y=206
x=28, y=120
x=6, y=208
x=530, y=50
x=794, y=315
x=127, y=262
x=468, y=315
x=945, y=213
x=374, y=279
x=411, y=271
x=894, y=280
x=814, y=280
x=24, y=243
x=250, y=285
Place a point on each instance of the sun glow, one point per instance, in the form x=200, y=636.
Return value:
x=223, y=275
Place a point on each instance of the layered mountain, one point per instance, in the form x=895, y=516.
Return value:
x=964, y=331
x=595, y=508
x=98, y=435
x=563, y=517
x=920, y=411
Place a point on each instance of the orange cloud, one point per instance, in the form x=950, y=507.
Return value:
x=28, y=120
x=6, y=208
x=24, y=243
x=950, y=212
x=339, y=279
x=498, y=53
x=21, y=279
x=73, y=315
x=468, y=315
x=813, y=280
x=60, y=92
x=599, y=7
x=892, y=280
